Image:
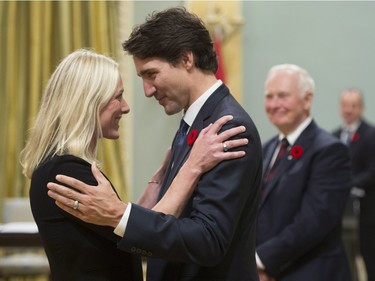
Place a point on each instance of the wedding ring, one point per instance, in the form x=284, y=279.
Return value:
x=225, y=147
x=75, y=205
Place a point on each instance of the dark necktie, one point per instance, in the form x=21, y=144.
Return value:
x=282, y=152
x=180, y=140
x=181, y=133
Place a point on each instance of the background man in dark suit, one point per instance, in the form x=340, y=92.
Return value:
x=304, y=190
x=359, y=135
x=215, y=237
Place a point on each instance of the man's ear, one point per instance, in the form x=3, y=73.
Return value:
x=187, y=59
x=308, y=100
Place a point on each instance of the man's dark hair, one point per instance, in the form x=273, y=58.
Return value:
x=170, y=33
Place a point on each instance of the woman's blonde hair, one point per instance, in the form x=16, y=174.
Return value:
x=68, y=120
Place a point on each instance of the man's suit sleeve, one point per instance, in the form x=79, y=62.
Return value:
x=204, y=237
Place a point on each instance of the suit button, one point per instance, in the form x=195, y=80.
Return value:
x=133, y=249
x=139, y=251
x=149, y=254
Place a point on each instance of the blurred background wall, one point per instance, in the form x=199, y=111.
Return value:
x=332, y=39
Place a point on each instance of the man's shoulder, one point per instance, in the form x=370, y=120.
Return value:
x=367, y=127
x=230, y=104
x=319, y=139
x=325, y=138
x=226, y=104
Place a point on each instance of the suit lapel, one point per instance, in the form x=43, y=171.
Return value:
x=304, y=140
x=282, y=168
x=199, y=123
x=268, y=153
x=356, y=138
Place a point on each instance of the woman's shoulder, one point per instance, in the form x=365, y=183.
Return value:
x=63, y=162
x=68, y=165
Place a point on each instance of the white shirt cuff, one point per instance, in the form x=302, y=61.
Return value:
x=259, y=262
x=121, y=227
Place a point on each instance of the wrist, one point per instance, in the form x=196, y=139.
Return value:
x=194, y=170
x=119, y=211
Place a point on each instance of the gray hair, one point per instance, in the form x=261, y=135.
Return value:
x=306, y=82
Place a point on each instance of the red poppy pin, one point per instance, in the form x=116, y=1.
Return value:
x=355, y=137
x=296, y=151
x=192, y=137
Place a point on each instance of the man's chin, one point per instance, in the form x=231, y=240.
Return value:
x=169, y=111
x=278, y=124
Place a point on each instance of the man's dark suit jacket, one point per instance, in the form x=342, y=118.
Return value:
x=76, y=251
x=299, y=223
x=362, y=153
x=214, y=240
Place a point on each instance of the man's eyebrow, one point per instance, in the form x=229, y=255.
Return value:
x=143, y=72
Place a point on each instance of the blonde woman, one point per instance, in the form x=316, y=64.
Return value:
x=83, y=102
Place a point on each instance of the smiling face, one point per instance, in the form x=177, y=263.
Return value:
x=111, y=114
x=285, y=104
x=351, y=106
x=167, y=83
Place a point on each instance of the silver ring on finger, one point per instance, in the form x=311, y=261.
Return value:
x=75, y=205
x=225, y=147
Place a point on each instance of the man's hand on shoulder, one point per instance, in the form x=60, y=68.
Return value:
x=93, y=204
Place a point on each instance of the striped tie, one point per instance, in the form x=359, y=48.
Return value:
x=282, y=152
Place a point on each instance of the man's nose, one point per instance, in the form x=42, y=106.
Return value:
x=149, y=89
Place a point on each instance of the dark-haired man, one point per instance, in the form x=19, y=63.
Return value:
x=214, y=239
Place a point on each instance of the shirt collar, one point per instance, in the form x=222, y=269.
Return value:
x=352, y=127
x=292, y=137
x=196, y=106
